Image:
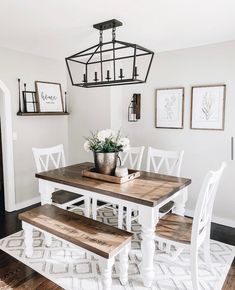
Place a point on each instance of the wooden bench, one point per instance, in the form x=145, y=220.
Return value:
x=102, y=240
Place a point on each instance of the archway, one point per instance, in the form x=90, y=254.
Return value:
x=7, y=148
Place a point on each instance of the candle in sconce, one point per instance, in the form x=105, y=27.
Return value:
x=96, y=77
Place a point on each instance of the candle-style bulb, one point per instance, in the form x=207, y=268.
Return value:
x=95, y=79
x=135, y=72
x=84, y=78
x=108, y=76
x=121, y=74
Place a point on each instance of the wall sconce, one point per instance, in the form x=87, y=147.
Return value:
x=134, y=108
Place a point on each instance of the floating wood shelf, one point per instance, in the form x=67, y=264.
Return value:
x=43, y=114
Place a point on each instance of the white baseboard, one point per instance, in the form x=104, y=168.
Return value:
x=23, y=204
x=215, y=219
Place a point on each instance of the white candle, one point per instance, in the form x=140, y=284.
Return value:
x=121, y=171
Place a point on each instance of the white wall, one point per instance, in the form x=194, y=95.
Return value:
x=204, y=150
x=39, y=131
x=90, y=111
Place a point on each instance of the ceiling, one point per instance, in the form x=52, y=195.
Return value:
x=58, y=28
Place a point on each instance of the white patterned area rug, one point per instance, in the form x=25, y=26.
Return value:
x=71, y=269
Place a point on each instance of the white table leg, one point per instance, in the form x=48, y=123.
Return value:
x=45, y=190
x=180, y=202
x=28, y=239
x=147, y=220
x=106, y=271
x=124, y=264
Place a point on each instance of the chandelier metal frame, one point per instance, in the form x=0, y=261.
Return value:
x=98, y=50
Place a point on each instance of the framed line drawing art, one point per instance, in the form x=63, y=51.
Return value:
x=208, y=107
x=49, y=97
x=169, y=108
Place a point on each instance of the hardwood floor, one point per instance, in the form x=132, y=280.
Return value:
x=16, y=275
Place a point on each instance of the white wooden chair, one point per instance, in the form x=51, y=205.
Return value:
x=165, y=162
x=53, y=158
x=182, y=232
x=132, y=159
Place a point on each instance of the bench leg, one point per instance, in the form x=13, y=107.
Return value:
x=106, y=272
x=124, y=265
x=28, y=239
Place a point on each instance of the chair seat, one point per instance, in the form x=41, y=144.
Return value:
x=167, y=207
x=174, y=227
x=63, y=196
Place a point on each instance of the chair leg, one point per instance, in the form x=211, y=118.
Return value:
x=28, y=239
x=124, y=265
x=87, y=204
x=120, y=216
x=115, y=209
x=128, y=219
x=106, y=272
x=94, y=208
x=48, y=239
x=194, y=270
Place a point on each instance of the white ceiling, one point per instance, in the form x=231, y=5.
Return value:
x=58, y=28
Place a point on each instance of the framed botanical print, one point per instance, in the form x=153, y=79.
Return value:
x=49, y=97
x=208, y=107
x=169, y=111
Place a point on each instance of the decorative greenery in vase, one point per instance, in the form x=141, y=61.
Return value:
x=106, y=141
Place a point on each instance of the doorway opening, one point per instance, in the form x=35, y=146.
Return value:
x=2, y=204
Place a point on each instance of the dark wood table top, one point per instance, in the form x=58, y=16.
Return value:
x=149, y=189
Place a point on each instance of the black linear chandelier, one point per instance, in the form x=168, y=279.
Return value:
x=110, y=63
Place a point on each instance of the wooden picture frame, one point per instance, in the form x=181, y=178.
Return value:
x=169, y=108
x=49, y=97
x=208, y=107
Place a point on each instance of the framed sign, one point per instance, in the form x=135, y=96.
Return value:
x=49, y=97
x=208, y=107
x=169, y=108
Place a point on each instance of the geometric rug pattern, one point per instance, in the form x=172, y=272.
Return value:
x=71, y=269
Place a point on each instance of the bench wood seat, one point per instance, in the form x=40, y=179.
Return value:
x=176, y=228
x=94, y=236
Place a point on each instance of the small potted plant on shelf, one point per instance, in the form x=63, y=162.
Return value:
x=106, y=144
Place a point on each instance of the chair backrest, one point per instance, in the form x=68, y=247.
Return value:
x=133, y=157
x=48, y=158
x=204, y=206
x=167, y=162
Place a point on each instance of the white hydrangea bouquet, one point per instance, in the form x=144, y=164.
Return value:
x=107, y=141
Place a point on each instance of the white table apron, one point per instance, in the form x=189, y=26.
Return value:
x=148, y=217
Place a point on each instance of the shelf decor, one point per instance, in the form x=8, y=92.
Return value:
x=169, y=108
x=208, y=107
x=49, y=97
x=134, y=108
x=29, y=101
x=110, y=63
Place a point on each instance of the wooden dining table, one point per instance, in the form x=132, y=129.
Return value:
x=146, y=194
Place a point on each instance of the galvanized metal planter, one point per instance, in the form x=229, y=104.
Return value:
x=105, y=163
